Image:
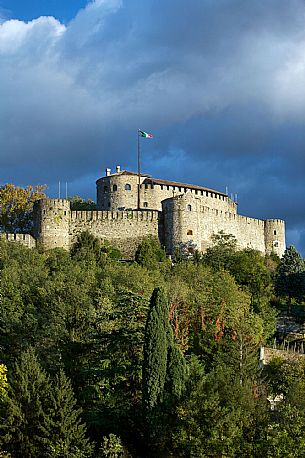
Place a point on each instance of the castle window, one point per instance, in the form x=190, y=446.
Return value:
x=105, y=188
x=108, y=204
x=114, y=188
x=189, y=207
x=276, y=243
x=274, y=232
x=189, y=232
x=127, y=187
x=145, y=204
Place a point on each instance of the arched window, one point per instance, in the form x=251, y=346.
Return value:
x=189, y=232
x=114, y=188
x=145, y=204
x=189, y=207
x=105, y=188
x=127, y=187
x=274, y=232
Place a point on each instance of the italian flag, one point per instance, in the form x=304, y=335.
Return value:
x=144, y=134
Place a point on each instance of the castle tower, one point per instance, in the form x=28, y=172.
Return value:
x=275, y=236
x=181, y=222
x=52, y=217
x=118, y=191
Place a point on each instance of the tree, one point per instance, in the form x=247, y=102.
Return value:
x=112, y=447
x=164, y=370
x=155, y=351
x=217, y=416
x=68, y=433
x=290, y=279
x=285, y=437
x=26, y=424
x=90, y=249
x=78, y=203
x=40, y=418
x=219, y=256
x=3, y=381
x=16, y=205
x=150, y=254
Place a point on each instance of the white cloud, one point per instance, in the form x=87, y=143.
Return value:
x=18, y=35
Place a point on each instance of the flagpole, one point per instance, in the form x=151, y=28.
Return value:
x=139, y=170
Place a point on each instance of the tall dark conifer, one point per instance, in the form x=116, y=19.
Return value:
x=40, y=419
x=68, y=432
x=164, y=371
x=155, y=351
x=26, y=423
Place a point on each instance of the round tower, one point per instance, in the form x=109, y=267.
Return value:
x=275, y=236
x=118, y=191
x=51, y=222
x=181, y=222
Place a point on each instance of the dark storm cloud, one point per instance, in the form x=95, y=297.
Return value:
x=220, y=84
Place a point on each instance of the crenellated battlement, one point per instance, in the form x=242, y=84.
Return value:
x=94, y=215
x=25, y=239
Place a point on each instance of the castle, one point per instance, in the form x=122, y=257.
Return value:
x=176, y=213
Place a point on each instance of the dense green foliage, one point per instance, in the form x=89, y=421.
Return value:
x=290, y=278
x=16, y=207
x=79, y=204
x=112, y=359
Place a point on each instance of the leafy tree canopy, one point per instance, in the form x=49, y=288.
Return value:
x=78, y=203
x=16, y=205
x=150, y=254
x=290, y=276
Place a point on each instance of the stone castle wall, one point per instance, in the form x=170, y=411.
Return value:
x=25, y=239
x=186, y=218
x=58, y=226
x=124, y=229
x=120, y=191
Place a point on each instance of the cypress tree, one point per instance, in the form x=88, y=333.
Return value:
x=155, y=351
x=164, y=371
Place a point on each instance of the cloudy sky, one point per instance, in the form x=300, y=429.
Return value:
x=219, y=83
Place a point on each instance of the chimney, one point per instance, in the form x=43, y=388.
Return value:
x=118, y=169
x=108, y=172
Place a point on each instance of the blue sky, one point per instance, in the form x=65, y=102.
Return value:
x=26, y=10
x=220, y=84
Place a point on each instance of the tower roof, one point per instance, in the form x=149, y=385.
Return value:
x=182, y=185
x=150, y=180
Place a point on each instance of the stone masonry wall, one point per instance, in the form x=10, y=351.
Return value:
x=186, y=218
x=113, y=195
x=25, y=239
x=123, y=229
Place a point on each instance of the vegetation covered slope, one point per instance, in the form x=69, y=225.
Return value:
x=150, y=359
